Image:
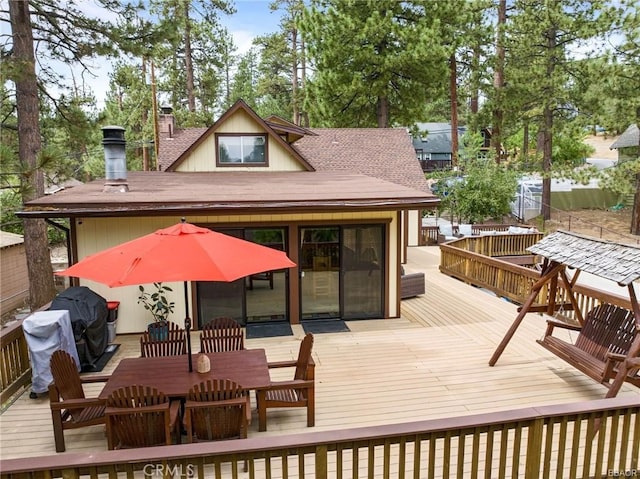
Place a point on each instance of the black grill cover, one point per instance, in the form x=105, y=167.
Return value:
x=89, y=314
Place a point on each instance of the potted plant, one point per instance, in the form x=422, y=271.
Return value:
x=160, y=307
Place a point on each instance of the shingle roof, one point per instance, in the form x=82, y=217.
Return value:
x=160, y=192
x=614, y=261
x=172, y=147
x=384, y=153
x=630, y=137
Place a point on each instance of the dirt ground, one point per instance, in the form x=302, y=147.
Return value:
x=609, y=225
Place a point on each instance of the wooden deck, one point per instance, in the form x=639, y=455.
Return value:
x=431, y=363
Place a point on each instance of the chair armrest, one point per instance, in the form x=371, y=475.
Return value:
x=616, y=357
x=77, y=404
x=282, y=364
x=292, y=384
x=553, y=323
x=95, y=379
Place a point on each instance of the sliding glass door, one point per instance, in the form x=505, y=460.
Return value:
x=257, y=298
x=341, y=272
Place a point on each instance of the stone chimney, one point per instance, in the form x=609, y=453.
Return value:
x=166, y=122
x=115, y=160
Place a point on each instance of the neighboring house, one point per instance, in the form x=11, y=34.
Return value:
x=434, y=146
x=14, y=278
x=343, y=204
x=628, y=144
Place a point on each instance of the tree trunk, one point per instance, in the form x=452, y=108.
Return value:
x=453, y=93
x=475, y=94
x=188, y=60
x=41, y=286
x=294, y=76
x=304, y=115
x=546, y=162
x=635, y=213
x=498, y=81
x=382, y=112
x=145, y=119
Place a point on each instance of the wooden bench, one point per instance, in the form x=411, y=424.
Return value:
x=411, y=285
x=602, y=343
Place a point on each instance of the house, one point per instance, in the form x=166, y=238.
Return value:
x=343, y=203
x=628, y=144
x=433, y=145
x=14, y=281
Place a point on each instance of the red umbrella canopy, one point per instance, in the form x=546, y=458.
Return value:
x=183, y=252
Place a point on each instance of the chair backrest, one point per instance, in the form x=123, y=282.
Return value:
x=607, y=328
x=175, y=343
x=212, y=422
x=221, y=334
x=66, y=378
x=65, y=375
x=134, y=418
x=304, y=357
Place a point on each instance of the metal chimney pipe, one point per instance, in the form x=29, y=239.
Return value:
x=115, y=160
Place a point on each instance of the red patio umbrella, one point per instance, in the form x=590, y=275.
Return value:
x=183, y=252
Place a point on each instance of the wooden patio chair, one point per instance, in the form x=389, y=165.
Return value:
x=298, y=392
x=70, y=409
x=602, y=344
x=221, y=334
x=141, y=416
x=217, y=410
x=173, y=345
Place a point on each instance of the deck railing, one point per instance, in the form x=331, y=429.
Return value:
x=595, y=439
x=429, y=234
x=476, y=261
x=15, y=370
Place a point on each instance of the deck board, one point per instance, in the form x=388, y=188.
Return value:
x=430, y=363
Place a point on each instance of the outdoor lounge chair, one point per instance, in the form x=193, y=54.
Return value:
x=140, y=416
x=221, y=334
x=70, y=409
x=299, y=392
x=445, y=233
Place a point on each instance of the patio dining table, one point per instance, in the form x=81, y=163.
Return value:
x=169, y=374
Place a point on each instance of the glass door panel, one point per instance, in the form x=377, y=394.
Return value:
x=362, y=274
x=216, y=299
x=266, y=293
x=320, y=272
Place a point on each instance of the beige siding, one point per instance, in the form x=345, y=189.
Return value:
x=97, y=234
x=14, y=285
x=204, y=158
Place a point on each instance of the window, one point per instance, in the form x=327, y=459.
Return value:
x=248, y=149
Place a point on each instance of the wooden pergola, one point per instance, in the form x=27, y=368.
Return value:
x=613, y=261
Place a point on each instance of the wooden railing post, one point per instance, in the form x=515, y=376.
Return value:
x=534, y=449
x=322, y=463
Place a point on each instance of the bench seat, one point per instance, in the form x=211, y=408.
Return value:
x=603, y=343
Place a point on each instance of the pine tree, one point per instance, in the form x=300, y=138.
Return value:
x=376, y=62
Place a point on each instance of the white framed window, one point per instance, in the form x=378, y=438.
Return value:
x=243, y=149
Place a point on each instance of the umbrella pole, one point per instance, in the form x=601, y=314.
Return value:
x=187, y=325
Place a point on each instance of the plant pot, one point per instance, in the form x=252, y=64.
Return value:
x=158, y=331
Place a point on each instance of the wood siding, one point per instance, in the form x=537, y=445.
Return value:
x=204, y=158
x=97, y=234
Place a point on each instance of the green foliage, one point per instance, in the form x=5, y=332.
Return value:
x=486, y=192
x=156, y=301
x=621, y=178
x=377, y=62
